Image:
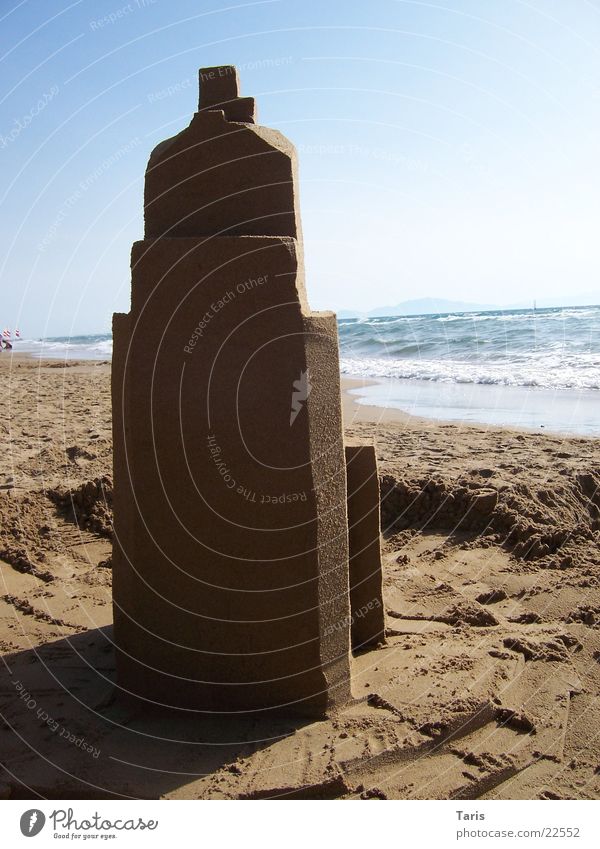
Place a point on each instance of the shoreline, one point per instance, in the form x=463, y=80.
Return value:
x=367, y=409
x=354, y=411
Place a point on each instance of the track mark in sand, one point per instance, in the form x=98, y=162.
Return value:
x=298, y=766
x=377, y=701
x=492, y=596
x=409, y=628
x=468, y=613
x=486, y=783
x=435, y=735
x=528, y=617
x=72, y=536
x=331, y=787
x=463, y=612
x=546, y=650
x=23, y=606
x=466, y=722
x=19, y=561
x=441, y=770
x=586, y=615
x=457, y=761
x=516, y=720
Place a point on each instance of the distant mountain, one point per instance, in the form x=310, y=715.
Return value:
x=425, y=306
x=421, y=306
x=431, y=306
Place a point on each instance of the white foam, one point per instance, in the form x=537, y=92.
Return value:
x=549, y=373
x=76, y=348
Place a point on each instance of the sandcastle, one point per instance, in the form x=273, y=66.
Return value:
x=235, y=588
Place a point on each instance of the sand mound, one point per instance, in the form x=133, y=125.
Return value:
x=467, y=613
x=88, y=505
x=26, y=538
x=586, y=614
x=435, y=503
x=38, y=530
x=534, y=522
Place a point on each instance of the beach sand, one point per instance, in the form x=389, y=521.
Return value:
x=488, y=686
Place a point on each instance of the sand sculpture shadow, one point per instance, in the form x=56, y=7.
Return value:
x=67, y=735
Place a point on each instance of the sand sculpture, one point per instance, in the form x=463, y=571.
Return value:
x=366, y=603
x=231, y=560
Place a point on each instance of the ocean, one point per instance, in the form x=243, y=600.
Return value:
x=527, y=368
x=550, y=348
x=537, y=369
x=92, y=347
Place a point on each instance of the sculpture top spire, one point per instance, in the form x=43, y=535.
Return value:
x=219, y=90
x=223, y=175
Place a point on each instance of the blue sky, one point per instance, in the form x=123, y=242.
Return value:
x=447, y=149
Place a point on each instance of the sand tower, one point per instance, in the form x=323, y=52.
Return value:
x=231, y=559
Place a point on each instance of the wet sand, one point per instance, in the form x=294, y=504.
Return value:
x=489, y=681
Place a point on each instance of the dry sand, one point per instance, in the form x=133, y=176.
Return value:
x=488, y=685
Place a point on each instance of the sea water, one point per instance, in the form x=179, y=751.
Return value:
x=529, y=368
x=91, y=347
